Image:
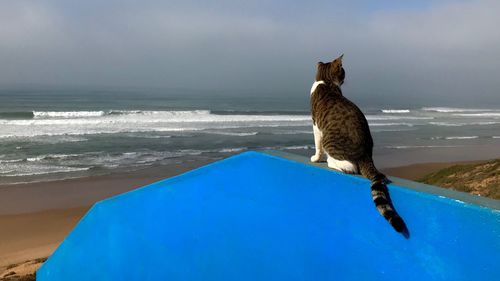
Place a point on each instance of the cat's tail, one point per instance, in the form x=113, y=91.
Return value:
x=380, y=194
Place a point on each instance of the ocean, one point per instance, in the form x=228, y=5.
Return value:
x=57, y=134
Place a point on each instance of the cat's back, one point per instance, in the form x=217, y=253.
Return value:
x=341, y=122
x=329, y=103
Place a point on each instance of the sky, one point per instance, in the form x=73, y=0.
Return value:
x=416, y=51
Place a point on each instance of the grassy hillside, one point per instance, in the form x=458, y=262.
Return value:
x=480, y=179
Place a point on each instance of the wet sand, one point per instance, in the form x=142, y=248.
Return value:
x=35, y=217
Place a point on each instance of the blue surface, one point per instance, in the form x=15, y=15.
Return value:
x=259, y=217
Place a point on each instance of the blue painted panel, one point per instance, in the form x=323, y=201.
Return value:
x=259, y=217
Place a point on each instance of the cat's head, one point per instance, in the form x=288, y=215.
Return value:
x=331, y=72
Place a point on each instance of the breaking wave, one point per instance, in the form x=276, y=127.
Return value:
x=487, y=114
x=458, y=124
x=395, y=110
x=461, y=137
x=454, y=109
x=71, y=123
x=67, y=114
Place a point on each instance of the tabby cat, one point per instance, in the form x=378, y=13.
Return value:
x=342, y=133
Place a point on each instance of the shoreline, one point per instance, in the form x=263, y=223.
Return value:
x=84, y=191
x=35, y=217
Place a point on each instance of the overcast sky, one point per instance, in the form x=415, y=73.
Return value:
x=394, y=50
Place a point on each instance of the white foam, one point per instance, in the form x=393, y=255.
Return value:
x=397, y=111
x=391, y=124
x=295, y=147
x=450, y=124
x=11, y=160
x=236, y=149
x=31, y=169
x=418, y=146
x=66, y=163
x=34, y=159
x=67, y=114
x=446, y=124
x=141, y=121
x=454, y=109
x=236, y=134
x=52, y=157
x=462, y=137
x=150, y=137
x=292, y=147
x=488, y=114
x=292, y=132
x=60, y=139
x=392, y=117
x=382, y=129
x=45, y=172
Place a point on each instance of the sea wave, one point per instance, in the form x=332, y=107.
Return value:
x=290, y=147
x=461, y=137
x=454, y=109
x=67, y=114
x=457, y=137
x=89, y=123
x=16, y=115
x=395, y=111
x=392, y=117
x=235, y=149
x=487, y=114
x=292, y=132
x=391, y=124
x=52, y=157
x=68, y=163
x=11, y=160
x=79, y=118
x=391, y=129
x=105, y=113
x=296, y=147
x=22, y=170
x=74, y=164
x=149, y=136
x=418, y=146
x=459, y=124
x=236, y=134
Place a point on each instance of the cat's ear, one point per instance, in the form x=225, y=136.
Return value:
x=339, y=59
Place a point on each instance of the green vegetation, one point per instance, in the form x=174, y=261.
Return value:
x=480, y=179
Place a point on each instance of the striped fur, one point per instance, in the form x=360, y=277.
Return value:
x=342, y=133
x=380, y=194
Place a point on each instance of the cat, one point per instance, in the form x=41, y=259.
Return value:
x=341, y=133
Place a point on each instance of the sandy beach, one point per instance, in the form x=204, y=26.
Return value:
x=35, y=217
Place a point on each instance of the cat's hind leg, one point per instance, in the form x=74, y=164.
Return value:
x=318, y=135
x=342, y=165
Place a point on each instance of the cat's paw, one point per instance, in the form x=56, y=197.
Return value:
x=315, y=158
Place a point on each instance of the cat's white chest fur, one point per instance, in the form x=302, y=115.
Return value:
x=315, y=85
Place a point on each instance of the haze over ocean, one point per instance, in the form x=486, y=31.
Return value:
x=56, y=134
